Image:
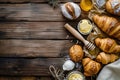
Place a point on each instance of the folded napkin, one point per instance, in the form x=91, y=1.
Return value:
x=110, y=71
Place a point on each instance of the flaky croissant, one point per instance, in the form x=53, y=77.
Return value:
x=90, y=67
x=113, y=7
x=107, y=45
x=106, y=58
x=109, y=25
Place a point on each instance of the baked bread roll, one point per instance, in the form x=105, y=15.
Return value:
x=113, y=7
x=109, y=25
x=76, y=53
x=107, y=45
x=90, y=67
x=70, y=10
x=106, y=58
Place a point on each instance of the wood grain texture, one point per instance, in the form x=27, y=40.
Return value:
x=34, y=30
x=32, y=12
x=32, y=78
x=32, y=38
x=40, y=1
x=19, y=78
x=34, y=48
x=28, y=67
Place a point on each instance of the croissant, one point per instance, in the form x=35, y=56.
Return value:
x=107, y=45
x=90, y=67
x=106, y=58
x=109, y=25
x=113, y=7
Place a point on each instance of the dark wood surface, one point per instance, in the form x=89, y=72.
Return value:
x=32, y=38
x=26, y=78
x=33, y=48
x=33, y=30
x=28, y=67
x=41, y=1
x=32, y=12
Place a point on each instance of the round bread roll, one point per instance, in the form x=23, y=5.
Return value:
x=76, y=53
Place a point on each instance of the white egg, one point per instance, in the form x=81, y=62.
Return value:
x=74, y=10
x=68, y=65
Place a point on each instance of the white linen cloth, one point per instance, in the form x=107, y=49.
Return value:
x=110, y=71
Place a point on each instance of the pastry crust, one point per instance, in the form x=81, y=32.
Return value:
x=107, y=24
x=76, y=53
x=90, y=67
x=107, y=45
x=113, y=7
x=106, y=58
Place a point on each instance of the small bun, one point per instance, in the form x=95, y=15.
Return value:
x=76, y=53
x=71, y=10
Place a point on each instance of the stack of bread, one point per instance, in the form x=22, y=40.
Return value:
x=108, y=46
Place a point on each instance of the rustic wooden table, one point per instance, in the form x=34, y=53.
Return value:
x=32, y=38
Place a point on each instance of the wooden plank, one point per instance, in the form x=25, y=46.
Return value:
x=45, y=78
x=18, y=78
x=32, y=12
x=28, y=67
x=40, y=1
x=34, y=48
x=34, y=30
x=25, y=78
x=32, y=78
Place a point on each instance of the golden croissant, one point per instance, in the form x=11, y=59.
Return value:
x=90, y=67
x=106, y=58
x=109, y=25
x=107, y=45
x=113, y=7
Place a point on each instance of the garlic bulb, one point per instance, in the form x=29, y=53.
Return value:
x=71, y=10
x=68, y=65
